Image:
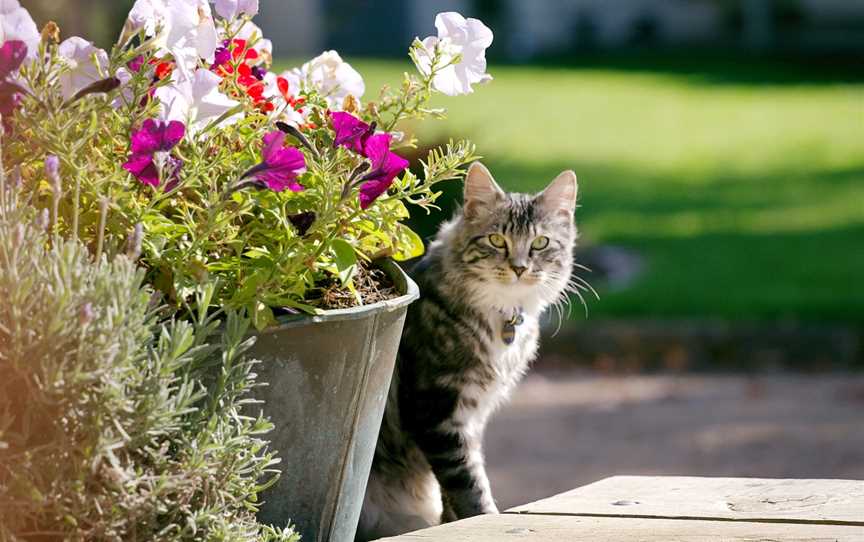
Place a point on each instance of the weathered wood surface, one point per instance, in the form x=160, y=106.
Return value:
x=674, y=509
x=545, y=528
x=743, y=499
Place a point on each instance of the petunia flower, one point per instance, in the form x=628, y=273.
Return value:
x=151, y=146
x=136, y=63
x=351, y=132
x=280, y=165
x=332, y=77
x=195, y=100
x=385, y=166
x=231, y=9
x=10, y=99
x=458, y=38
x=183, y=28
x=12, y=54
x=81, y=71
x=126, y=94
x=16, y=24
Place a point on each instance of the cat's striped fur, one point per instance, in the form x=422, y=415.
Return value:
x=454, y=369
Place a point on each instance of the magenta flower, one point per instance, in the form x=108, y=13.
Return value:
x=10, y=99
x=150, y=152
x=280, y=165
x=136, y=63
x=351, y=132
x=385, y=167
x=12, y=54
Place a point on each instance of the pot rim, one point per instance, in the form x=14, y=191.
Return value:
x=403, y=283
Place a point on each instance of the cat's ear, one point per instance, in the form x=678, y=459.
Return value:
x=481, y=191
x=560, y=195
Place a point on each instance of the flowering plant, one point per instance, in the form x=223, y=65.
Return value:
x=181, y=146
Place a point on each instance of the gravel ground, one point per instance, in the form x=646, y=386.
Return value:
x=563, y=429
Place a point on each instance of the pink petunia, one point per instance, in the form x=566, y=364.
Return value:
x=385, y=167
x=280, y=165
x=150, y=152
x=351, y=132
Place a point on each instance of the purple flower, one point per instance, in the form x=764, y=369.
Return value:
x=222, y=55
x=12, y=54
x=52, y=168
x=10, y=99
x=136, y=63
x=280, y=165
x=258, y=72
x=385, y=167
x=351, y=132
x=150, y=152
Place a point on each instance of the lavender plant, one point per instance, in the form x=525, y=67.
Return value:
x=114, y=425
x=268, y=185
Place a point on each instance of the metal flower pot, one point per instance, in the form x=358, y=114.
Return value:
x=327, y=378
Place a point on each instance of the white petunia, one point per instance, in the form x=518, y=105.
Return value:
x=85, y=64
x=331, y=76
x=195, y=100
x=125, y=96
x=17, y=24
x=231, y=9
x=184, y=28
x=459, y=37
x=148, y=15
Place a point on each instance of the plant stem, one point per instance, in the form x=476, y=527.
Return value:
x=75, y=208
x=103, y=215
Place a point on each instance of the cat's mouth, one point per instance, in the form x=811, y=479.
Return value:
x=510, y=278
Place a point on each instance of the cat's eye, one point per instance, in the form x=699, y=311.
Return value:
x=497, y=240
x=540, y=243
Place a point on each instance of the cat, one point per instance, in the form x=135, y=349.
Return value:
x=487, y=277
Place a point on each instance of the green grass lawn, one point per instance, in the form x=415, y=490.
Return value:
x=742, y=186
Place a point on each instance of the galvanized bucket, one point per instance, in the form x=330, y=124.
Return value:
x=326, y=379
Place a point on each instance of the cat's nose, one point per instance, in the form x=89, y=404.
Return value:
x=518, y=269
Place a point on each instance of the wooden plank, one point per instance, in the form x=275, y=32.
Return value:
x=543, y=528
x=744, y=499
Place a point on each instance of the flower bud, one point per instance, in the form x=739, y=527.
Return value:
x=52, y=171
x=19, y=235
x=350, y=105
x=51, y=32
x=155, y=299
x=16, y=178
x=102, y=86
x=86, y=314
x=43, y=221
x=134, y=241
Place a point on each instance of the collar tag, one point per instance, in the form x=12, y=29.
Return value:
x=508, y=328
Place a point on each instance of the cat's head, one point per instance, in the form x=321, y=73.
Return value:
x=516, y=249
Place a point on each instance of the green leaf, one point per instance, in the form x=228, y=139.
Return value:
x=396, y=207
x=410, y=245
x=262, y=316
x=345, y=259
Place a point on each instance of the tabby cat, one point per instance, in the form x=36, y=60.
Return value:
x=484, y=282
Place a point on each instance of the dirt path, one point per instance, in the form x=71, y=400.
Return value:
x=562, y=430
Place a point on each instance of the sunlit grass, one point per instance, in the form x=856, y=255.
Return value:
x=747, y=200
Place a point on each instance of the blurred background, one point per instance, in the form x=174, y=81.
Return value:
x=719, y=146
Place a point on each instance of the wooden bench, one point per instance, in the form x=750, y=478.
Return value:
x=673, y=509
